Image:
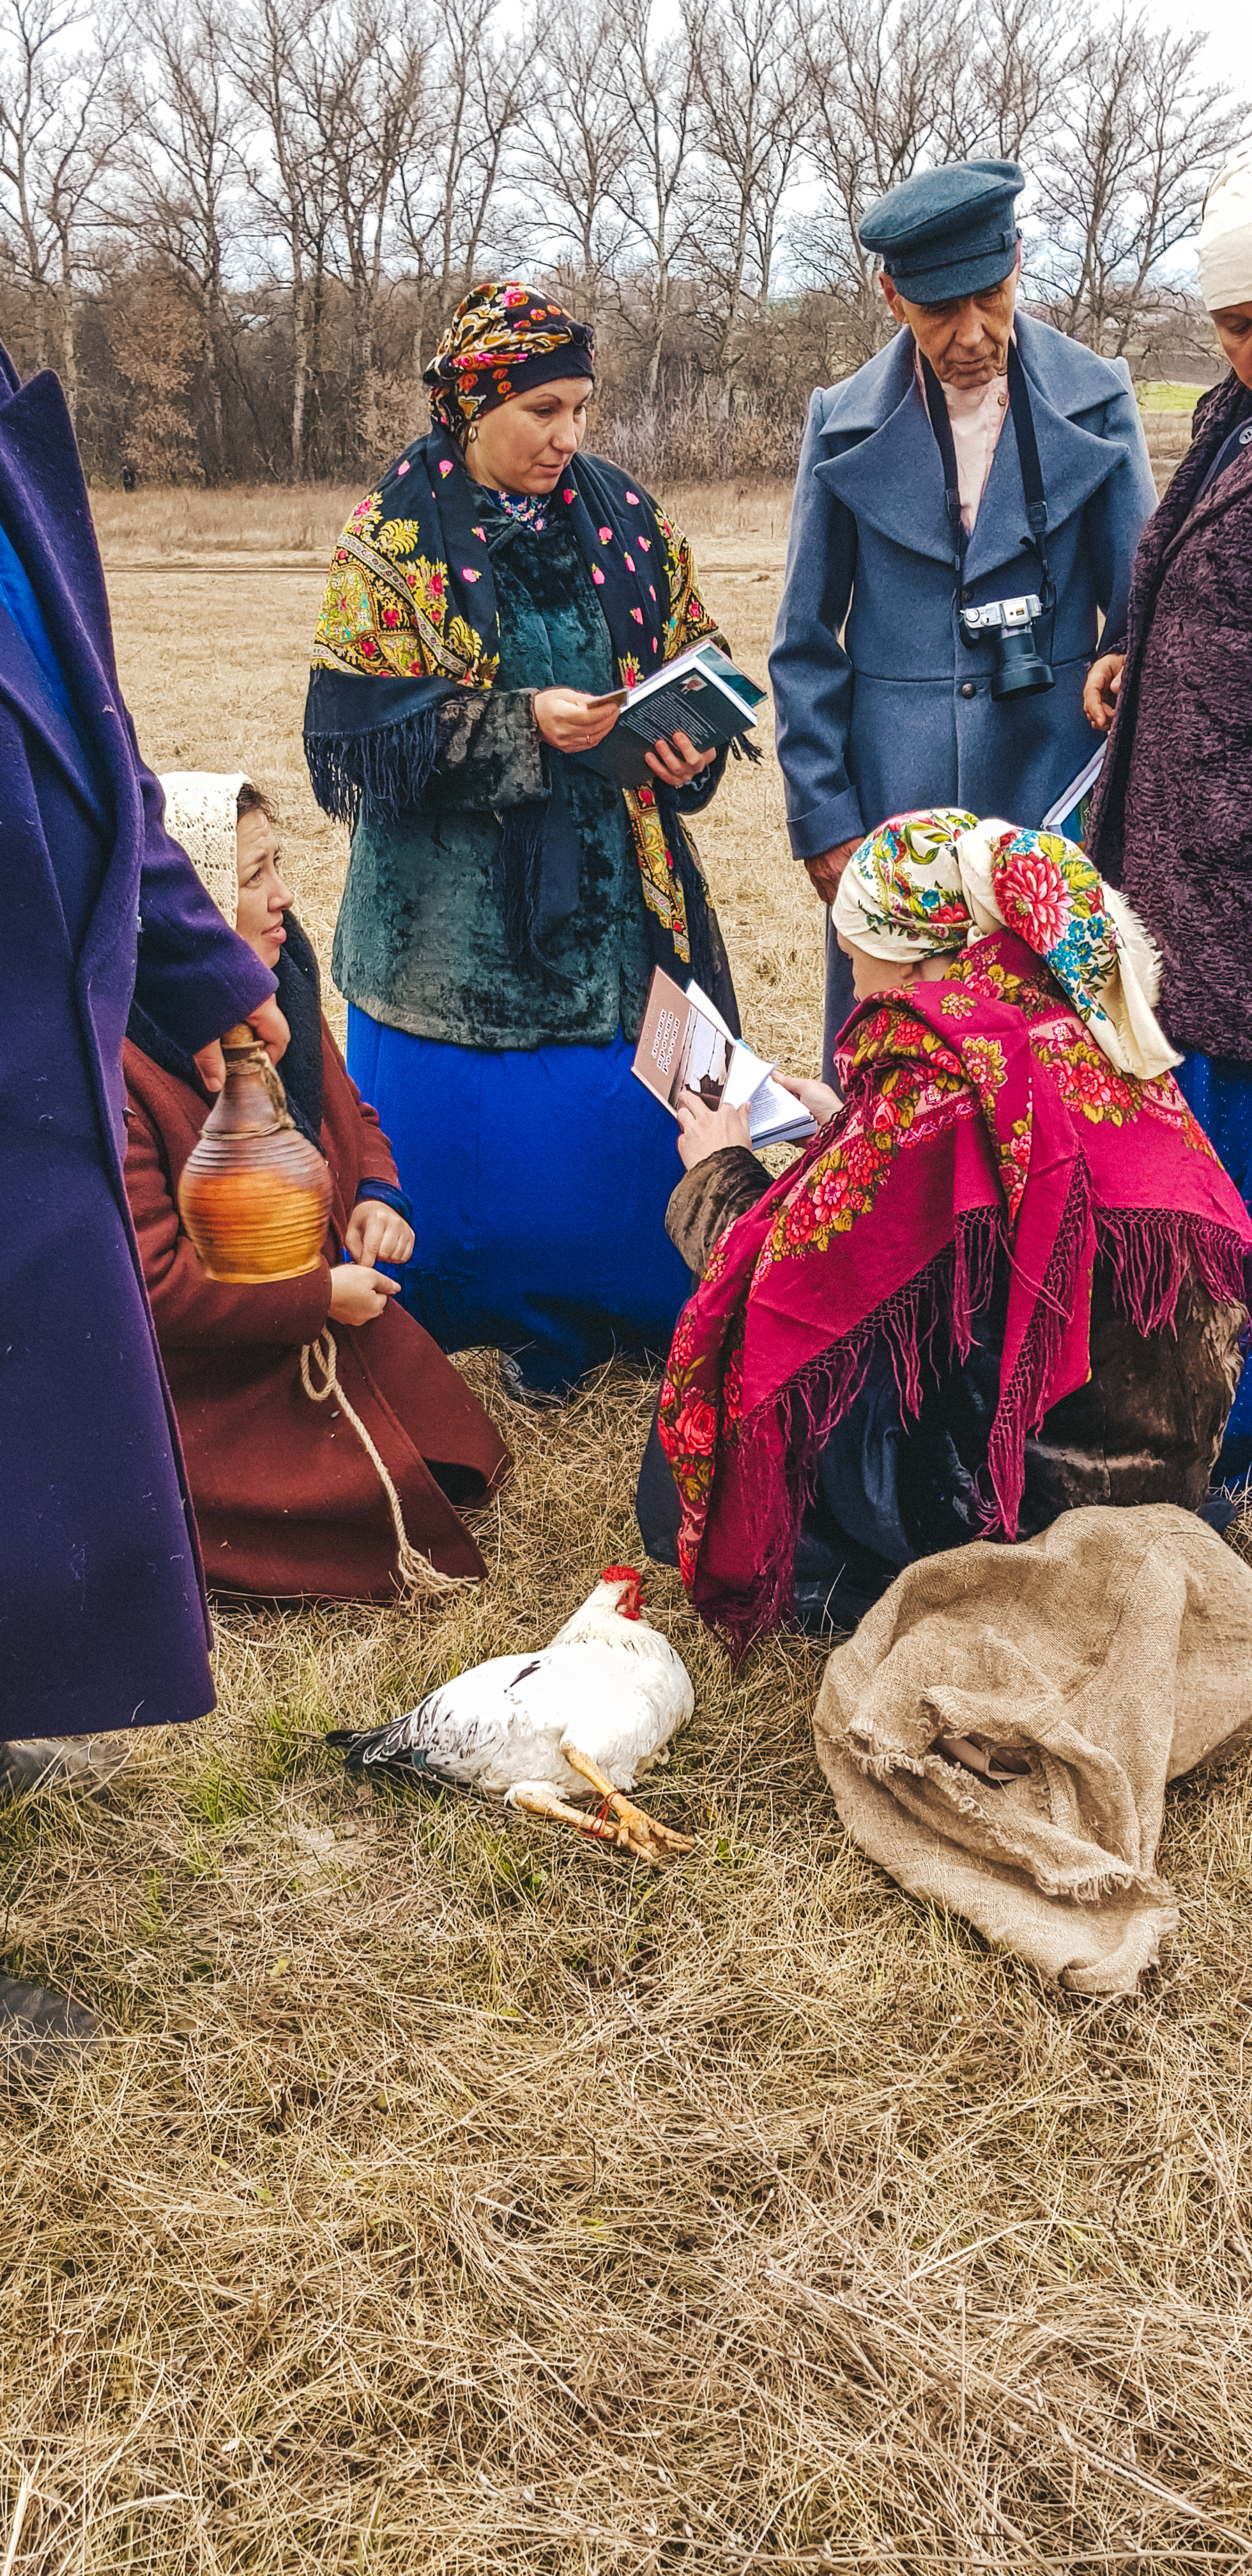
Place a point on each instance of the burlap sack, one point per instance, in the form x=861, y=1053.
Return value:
x=1113, y=1654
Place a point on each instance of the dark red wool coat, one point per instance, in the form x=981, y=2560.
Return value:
x=1171, y=819
x=286, y=1498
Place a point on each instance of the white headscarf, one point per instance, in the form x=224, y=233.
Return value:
x=201, y=811
x=924, y=884
x=1226, y=236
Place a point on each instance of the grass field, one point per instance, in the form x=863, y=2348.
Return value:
x=452, y=2198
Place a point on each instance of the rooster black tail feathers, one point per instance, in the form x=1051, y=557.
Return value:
x=381, y=1754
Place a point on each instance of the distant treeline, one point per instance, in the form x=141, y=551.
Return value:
x=238, y=231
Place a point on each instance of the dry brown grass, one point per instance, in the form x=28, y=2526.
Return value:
x=452, y=2198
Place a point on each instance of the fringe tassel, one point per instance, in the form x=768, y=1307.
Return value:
x=1153, y=1251
x=1023, y=1401
x=957, y=1286
x=385, y=770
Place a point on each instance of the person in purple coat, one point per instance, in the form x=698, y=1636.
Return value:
x=103, y=1621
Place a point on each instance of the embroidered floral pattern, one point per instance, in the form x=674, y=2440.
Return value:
x=926, y=1204
x=494, y=334
x=389, y=611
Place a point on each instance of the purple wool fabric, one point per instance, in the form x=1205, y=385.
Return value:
x=102, y=1618
x=1171, y=820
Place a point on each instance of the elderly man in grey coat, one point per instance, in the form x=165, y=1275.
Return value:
x=981, y=462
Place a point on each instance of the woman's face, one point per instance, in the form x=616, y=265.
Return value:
x=1233, y=326
x=263, y=898
x=525, y=445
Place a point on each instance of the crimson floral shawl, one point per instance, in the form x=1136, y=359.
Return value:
x=979, y=1119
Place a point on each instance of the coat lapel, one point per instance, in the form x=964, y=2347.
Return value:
x=1233, y=485
x=891, y=480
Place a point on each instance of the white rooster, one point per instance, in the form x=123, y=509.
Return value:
x=586, y=1713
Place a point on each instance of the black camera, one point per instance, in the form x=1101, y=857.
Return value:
x=1020, y=670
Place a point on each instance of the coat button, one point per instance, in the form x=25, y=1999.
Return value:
x=968, y=689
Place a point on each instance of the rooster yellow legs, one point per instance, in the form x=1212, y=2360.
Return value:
x=627, y=1830
x=643, y=1835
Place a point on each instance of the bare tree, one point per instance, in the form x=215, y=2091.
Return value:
x=752, y=116
x=577, y=152
x=62, y=117
x=369, y=91
x=449, y=193
x=187, y=173
x=655, y=91
x=1138, y=135
x=290, y=181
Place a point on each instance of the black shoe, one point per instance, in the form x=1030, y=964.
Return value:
x=31, y=2016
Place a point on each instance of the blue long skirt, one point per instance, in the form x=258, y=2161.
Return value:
x=539, y=1180
x=1219, y=1092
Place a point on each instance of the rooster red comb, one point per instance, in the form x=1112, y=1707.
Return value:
x=620, y=1574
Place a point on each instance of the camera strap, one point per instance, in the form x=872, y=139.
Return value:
x=1027, y=458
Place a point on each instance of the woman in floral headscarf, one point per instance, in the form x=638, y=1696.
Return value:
x=505, y=903
x=1004, y=1280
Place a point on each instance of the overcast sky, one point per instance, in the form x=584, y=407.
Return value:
x=1229, y=22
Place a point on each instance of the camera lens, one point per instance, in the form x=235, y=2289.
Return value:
x=1020, y=671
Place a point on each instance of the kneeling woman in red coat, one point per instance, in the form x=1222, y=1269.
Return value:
x=286, y=1496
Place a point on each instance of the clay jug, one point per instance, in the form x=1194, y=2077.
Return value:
x=254, y=1195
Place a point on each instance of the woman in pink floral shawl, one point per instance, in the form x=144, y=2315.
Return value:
x=1004, y=1279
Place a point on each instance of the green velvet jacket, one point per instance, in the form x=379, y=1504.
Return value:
x=420, y=943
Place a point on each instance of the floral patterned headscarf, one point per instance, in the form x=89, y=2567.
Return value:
x=925, y=883
x=503, y=338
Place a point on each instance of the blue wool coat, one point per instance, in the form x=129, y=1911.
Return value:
x=102, y=1619
x=878, y=723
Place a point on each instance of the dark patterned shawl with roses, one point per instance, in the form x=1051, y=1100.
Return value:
x=409, y=616
x=978, y=1118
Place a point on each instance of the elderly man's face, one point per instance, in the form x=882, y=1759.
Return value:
x=967, y=341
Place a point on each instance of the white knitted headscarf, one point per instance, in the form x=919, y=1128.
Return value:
x=1226, y=236
x=201, y=811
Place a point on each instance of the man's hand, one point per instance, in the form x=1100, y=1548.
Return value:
x=357, y=1296
x=1099, y=697
x=268, y=1024
x=825, y=872
x=377, y=1232
x=703, y=1131
x=677, y=761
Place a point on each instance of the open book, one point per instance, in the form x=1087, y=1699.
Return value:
x=701, y=693
x=685, y=1045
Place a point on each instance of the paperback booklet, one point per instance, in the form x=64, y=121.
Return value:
x=1069, y=814
x=685, y=1045
x=701, y=693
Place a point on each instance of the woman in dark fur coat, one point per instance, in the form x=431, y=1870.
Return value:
x=1171, y=818
x=286, y=1496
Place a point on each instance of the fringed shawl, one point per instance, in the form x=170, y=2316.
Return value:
x=409, y=616
x=979, y=1120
